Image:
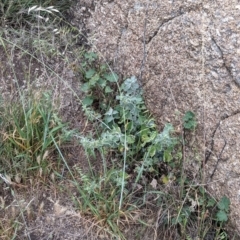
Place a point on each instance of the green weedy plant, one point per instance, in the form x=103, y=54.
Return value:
x=198, y=207
x=98, y=81
x=127, y=123
x=189, y=121
x=127, y=140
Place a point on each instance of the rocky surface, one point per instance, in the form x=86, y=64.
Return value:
x=186, y=55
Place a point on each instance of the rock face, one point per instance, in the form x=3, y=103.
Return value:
x=186, y=53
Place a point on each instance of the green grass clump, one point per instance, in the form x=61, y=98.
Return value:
x=27, y=132
x=99, y=200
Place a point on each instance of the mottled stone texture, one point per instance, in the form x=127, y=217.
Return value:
x=186, y=54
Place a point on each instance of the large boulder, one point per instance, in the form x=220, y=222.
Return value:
x=186, y=53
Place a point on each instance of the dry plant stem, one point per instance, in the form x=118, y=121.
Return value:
x=182, y=136
x=50, y=69
x=183, y=202
x=144, y=44
x=22, y=211
x=156, y=224
x=124, y=167
x=219, y=157
x=204, y=96
x=125, y=138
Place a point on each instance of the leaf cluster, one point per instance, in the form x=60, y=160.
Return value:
x=97, y=81
x=189, y=121
x=126, y=123
x=197, y=204
x=223, y=209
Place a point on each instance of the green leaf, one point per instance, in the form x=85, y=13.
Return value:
x=224, y=204
x=167, y=156
x=148, y=136
x=111, y=112
x=85, y=87
x=91, y=56
x=177, y=220
x=189, y=120
x=90, y=73
x=130, y=85
x=94, y=79
x=130, y=139
x=111, y=77
x=108, y=119
x=188, y=116
x=110, y=115
x=87, y=101
x=108, y=89
x=152, y=150
x=222, y=216
x=103, y=67
x=129, y=126
x=202, y=190
x=211, y=202
x=102, y=82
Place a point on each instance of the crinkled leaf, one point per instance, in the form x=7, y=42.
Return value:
x=87, y=101
x=85, y=87
x=154, y=183
x=94, y=79
x=148, y=137
x=164, y=139
x=222, y=216
x=91, y=56
x=224, y=204
x=111, y=111
x=102, y=82
x=211, y=202
x=130, y=85
x=130, y=139
x=108, y=89
x=129, y=126
x=167, y=156
x=188, y=116
x=108, y=119
x=165, y=179
x=110, y=115
x=152, y=150
x=90, y=73
x=189, y=120
x=111, y=77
